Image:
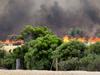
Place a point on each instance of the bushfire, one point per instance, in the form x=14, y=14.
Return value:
x=66, y=38
x=92, y=40
x=12, y=42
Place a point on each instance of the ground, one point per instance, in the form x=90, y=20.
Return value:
x=35, y=72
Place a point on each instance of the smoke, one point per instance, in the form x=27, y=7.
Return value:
x=59, y=15
x=91, y=11
x=13, y=14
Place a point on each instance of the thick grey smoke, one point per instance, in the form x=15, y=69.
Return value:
x=59, y=15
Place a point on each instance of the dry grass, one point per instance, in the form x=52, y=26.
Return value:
x=35, y=72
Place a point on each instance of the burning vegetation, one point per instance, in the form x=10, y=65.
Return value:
x=91, y=40
x=43, y=50
x=11, y=40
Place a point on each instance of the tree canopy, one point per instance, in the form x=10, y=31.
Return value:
x=30, y=32
x=43, y=49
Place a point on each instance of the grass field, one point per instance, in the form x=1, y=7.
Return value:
x=35, y=72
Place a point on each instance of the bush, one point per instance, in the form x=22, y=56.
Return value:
x=84, y=63
x=95, y=65
x=70, y=64
x=2, y=54
x=40, y=52
x=70, y=49
x=42, y=47
x=94, y=48
x=9, y=61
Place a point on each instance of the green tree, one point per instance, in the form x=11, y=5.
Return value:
x=17, y=53
x=37, y=50
x=69, y=64
x=2, y=54
x=94, y=48
x=75, y=32
x=70, y=49
x=68, y=55
x=86, y=61
x=40, y=52
x=95, y=65
x=9, y=61
x=30, y=32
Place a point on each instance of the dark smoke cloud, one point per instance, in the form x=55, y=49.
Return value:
x=59, y=15
x=14, y=14
x=91, y=11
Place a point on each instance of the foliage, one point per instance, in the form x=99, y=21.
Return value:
x=40, y=52
x=90, y=63
x=42, y=47
x=76, y=32
x=70, y=64
x=2, y=54
x=94, y=48
x=95, y=65
x=70, y=49
x=30, y=32
x=69, y=54
x=37, y=51
x=98, y=35
x=9, y=61
x=86, y=61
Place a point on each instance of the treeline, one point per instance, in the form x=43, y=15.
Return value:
x=43, y=50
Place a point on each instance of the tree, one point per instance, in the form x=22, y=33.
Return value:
x=86, y=61
x=37, y=50
x=94, y=48
x=2, y=54
x=69, y=64
x=70, y=49
x=68, y=54
x=17, y=53
x=1, y=58
x=40, y=52
x=30, y=32
x=9, y=61
x=76, y=32
x=95, y=65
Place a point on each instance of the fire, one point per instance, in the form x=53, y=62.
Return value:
x=7, y=42
x=94, y=39
x=81, y=39
x=66, y=38
x=12, y=42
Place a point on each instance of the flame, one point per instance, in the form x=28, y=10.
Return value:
x=81, y=39
x=66, y=38
x=9, y=42
x=94, y=39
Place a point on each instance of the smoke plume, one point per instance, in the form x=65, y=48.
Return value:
x=59, y=15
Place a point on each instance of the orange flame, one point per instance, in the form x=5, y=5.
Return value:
x=66, y=38
x=94, y=39
x=81, y=39
x=9, y=42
